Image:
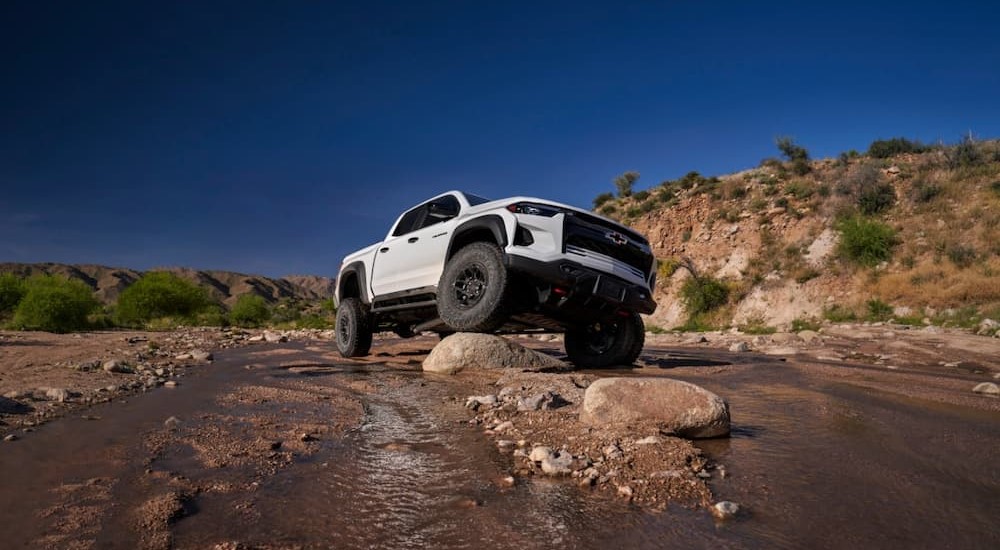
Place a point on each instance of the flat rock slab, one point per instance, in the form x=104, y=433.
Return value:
x=679, y=407
x=466, y=350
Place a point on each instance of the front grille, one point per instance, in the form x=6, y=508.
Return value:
x=598, y=237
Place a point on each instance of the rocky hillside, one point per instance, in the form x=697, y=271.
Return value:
x=904, y=232
x=224, y=286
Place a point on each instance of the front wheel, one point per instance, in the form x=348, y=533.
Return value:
x=473, y=289
x=354, y=331
x=605, y=344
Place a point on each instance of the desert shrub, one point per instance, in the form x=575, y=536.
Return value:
x=599, y=200
x=865, y=241
x=797, y=155
x=250, y=310
x=839, y=314
x=995, y=187
x=641, y=195
x=328, y=305
x=965, y=154
x=160, y=294
x=11, y=291
x=961, y=255
x=314, y=321
x=800, y=189
x=924, y=191
x=703, y=294
x=805, y=324
x=54, y=304
x=781, y=202
x=654, y=329
x=666, y=267
x=885, y=148
x=878, y=310
x=876, y=198
x=757, y=325
x=608, y=209
x=624, y=183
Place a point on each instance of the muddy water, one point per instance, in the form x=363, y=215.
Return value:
x=821, y=462
x=816, y=462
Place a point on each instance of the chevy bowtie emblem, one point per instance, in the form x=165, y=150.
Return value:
x=617, y=238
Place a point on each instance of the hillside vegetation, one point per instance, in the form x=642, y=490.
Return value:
x=904, y=232
x=63, y=298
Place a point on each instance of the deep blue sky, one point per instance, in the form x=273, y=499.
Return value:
x=274, y=137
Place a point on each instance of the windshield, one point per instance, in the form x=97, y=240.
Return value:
x=475, y=199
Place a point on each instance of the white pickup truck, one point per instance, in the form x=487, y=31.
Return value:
x=462, y=263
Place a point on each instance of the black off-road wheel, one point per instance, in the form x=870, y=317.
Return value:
x=473, y=289
x=606, y=344
x=354, y=330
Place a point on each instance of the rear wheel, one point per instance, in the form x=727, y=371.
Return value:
x=605, y=344
x=354, y=331
x=473, y=289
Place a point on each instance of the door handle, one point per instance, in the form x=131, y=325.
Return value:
x=412, y=240
x=384, y=249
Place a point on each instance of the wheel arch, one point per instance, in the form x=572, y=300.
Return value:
x=489, y=228
x=352, y=283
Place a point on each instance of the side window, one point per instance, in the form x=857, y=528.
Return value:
x=409, y=222
x=440, y=210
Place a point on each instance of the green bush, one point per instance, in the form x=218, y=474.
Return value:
x=878, y=310
x=160, y=294
x=961, y=255
x=625, y=182
x=865, y=241
x=11, y=291
x=703, y=294
x=54, y=304
x=995, y=187
x=250, y=310
x=599, y=200
x=641, y=195
x=876, y=198
x=801, y=324
x=800, y=189
x=839, y=314
x=797, y=155
x=885, y=148
x=965, y=154
x=924, y=191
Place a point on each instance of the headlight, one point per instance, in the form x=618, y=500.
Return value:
x=534, y=209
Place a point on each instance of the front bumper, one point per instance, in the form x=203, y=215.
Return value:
x=590, y=293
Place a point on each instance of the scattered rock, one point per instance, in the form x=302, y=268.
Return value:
x=274, y=337
x=183, y=357
x=987, y=388
x=680, y=407
x=57, y=394
x=557, y=463
x=475, y=401
x=173, y=422
x=504, y=427
x=115, y=365
x=10, y=437
x=539, y=454
x=725, y=509
x=808, y=336
x=307, y=437
x=170, y=384
x=697, y=339
x=467, y=350
x=651, y=440
x=542, y=401
x=740, y=347
x=201, y=355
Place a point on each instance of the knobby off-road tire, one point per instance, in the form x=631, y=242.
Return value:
x=354, y=330
x=602, y=345
x=472, y=292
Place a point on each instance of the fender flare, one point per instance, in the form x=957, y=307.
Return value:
x=492, y=222
x=357, y=269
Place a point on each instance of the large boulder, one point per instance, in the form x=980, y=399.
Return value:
x=679, y=407
x=464, y=350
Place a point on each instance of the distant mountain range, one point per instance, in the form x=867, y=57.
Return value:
x=224, y=286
